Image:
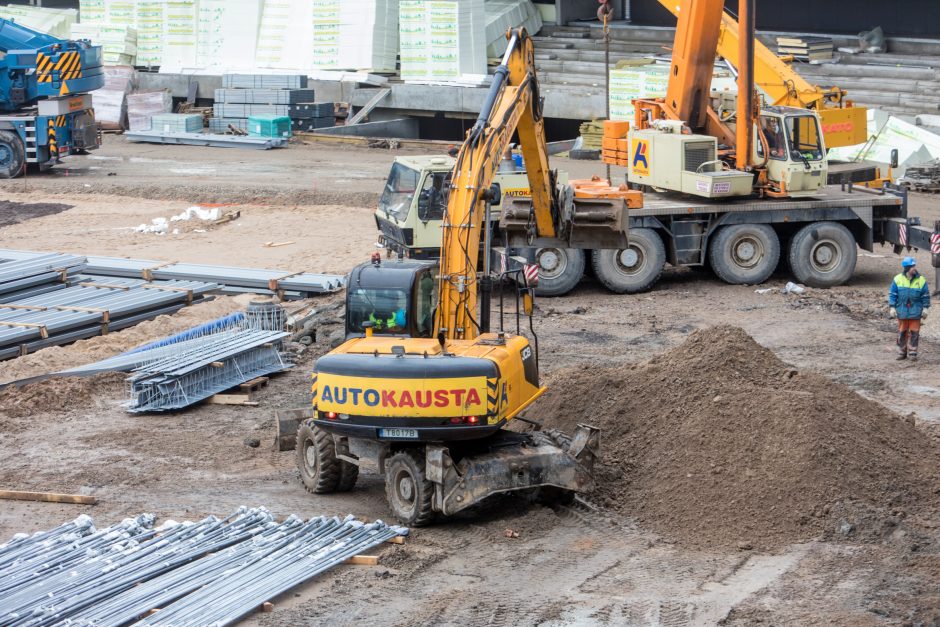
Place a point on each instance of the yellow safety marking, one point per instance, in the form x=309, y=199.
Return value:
x=53, y=145
x=64, y=89
x=72, y=68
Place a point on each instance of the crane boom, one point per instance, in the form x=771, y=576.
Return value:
x=843, y=124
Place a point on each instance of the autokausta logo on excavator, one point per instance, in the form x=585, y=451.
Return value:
x=364, y=397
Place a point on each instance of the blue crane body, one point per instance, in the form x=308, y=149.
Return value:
x=45, y=106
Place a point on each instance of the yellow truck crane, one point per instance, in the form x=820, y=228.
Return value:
x=422, y=391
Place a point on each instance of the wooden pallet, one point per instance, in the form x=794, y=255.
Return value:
x=254, y=385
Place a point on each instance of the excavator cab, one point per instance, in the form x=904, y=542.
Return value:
x=790, y=142
x=395, y=298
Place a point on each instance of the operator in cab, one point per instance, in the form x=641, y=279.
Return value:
x=394, y=319
x=776, y=142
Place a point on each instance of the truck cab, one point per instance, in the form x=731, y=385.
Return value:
x=797, y=159
x=411, y=208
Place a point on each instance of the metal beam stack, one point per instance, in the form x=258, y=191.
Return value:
x=213, y=572
x=72, y=307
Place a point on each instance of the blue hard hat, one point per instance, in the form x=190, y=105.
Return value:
x=908, y=262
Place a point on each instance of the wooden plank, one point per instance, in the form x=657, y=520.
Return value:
x=397, y=540
x=363, y=560
x=48, y=497
x=367, y=109
x=243, y=400
x=267, y=606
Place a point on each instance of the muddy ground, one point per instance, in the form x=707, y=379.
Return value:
x=584, y=564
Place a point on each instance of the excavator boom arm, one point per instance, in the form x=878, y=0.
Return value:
x=511, y=106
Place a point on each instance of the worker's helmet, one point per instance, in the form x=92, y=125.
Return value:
x=908, y=262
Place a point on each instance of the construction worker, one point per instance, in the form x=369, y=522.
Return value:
x=392, y=321
x=909, y=299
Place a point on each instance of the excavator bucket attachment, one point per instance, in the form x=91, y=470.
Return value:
x=521, y=462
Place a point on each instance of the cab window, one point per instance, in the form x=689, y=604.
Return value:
x=426, y=305
x=774, y=135
x=432, y=201
x=399, y=191
x=803, y=133
x=386, y=309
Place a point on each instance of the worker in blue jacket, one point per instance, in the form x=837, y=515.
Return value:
x=909, y=299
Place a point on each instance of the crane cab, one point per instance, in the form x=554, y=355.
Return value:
x=394, y=298
x=795, y=154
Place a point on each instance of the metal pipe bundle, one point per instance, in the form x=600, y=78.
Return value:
x=209, y=573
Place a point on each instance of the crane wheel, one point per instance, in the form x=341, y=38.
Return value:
x=407, y=488
x=823, y=254
x=12, y=155
x=633, y=269
x=744, y=253
x=316, y=458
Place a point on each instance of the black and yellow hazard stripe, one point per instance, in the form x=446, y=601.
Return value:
x=60, y=121
x=313, y=387
x=492, y=396
x=53, y=145
x=43, y=68
x=69, y=65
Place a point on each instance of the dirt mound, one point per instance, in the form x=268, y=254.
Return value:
x=55, y=395
x=719, y=443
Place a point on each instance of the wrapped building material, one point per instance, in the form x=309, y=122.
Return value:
x=264, y=96
x=118, y=41
x=143, y=106
x=179, y=35
x=355, y=36
x=264, y=81
x=110, y=101
x=442, y=41
x=150, y=17
x=285, y=37
x=92, y=11
x=56, y=22
x=177, y=122
x=269, y=126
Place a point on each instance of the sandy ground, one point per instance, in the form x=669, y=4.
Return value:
x=570, y=565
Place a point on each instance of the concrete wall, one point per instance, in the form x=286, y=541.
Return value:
x=403, y=128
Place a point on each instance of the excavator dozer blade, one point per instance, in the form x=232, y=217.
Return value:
x=587, y=223
x=542, y=459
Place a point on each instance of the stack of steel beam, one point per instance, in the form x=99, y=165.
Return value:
x=86, y=307
x=285, y=284
x=40, y=273
x=213, y=572
x=195, y=369
x=206, y=139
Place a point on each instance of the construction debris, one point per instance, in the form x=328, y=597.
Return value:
x=922, y=178
x=212, y=572
x=48, y=497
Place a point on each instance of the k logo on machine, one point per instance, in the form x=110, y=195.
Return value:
x=640, y=161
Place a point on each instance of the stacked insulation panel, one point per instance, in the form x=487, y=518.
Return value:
x=56, y=22
x=118, y=41
x=355, y=36
x=110, y=101
x=142, y=107
x=176, y=122
x=649, y=81
x=442, y=41
x=272, y=99
x=150, y=17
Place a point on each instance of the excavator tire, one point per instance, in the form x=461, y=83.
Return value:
x=634, y=269
x=348, y=475
x=320, y=471
x=12, y=155
x=744, y=254
x=408, y=490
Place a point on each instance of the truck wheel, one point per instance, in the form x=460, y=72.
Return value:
x=560, y=270
x=744, y=253
x=408, y=490
x=823, y=254
x=348, y=475
x=632, y=269
x=12, y=155
x=316, y=459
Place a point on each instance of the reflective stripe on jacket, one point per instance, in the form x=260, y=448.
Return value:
x=909, y=296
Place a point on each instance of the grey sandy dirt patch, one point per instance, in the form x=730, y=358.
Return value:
x=16, y=212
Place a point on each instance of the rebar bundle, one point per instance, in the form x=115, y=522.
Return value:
x=208, y=573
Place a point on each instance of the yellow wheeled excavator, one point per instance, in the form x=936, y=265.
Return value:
x=422, y=390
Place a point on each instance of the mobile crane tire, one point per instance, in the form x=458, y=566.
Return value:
x=560, y=270
x=823, y=254
x=633, y=269
x=408, y=490
x=744, y=254
x=320, y=471
x=12, y=155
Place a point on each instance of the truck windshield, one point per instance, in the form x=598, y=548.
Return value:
x=399, y=190
x=803, y=134
x=386, y=309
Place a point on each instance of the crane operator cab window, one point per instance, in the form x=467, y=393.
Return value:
x=432, y=201
x=399, y=191
x=803, y=135
x=773, y=133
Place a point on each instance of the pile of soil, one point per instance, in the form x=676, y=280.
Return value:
x=16, y=212
x=718, y=443
x=56, y=395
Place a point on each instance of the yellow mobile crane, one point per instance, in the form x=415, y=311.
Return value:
x=421, y=390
